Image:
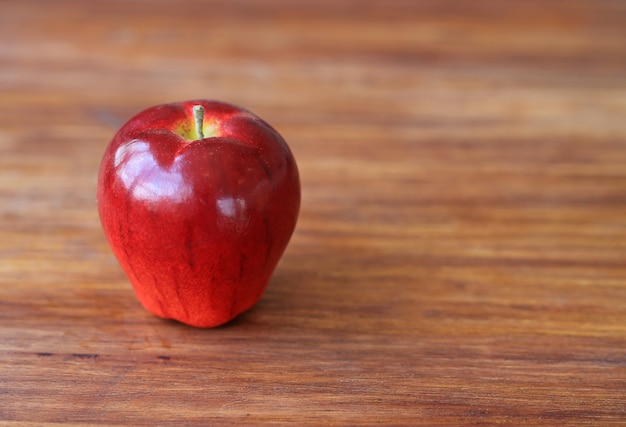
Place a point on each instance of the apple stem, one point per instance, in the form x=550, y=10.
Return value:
x=198, y=117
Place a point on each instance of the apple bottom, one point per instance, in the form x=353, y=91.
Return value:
x=169, y=291
x=201, y=276
x=203, y=305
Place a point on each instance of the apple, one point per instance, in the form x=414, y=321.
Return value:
x=198, y=201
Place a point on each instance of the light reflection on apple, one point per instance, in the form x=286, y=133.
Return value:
x=231, y=207
x=135, y=160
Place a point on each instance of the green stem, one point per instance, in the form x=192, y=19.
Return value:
x=198, y=117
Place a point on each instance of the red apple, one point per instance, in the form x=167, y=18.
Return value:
x=198, y=209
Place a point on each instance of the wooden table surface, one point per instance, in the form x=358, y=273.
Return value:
x=460, y=256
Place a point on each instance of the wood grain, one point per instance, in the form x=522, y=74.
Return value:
x=461, y=252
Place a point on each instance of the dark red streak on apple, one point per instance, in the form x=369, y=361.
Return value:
x=198, y=224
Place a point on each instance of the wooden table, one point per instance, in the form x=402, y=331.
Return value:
x=460, y=256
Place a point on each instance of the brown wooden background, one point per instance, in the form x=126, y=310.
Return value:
x=461, y=252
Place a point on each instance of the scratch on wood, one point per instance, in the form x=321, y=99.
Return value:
x=85, y=355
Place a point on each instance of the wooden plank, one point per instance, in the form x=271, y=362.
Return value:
x=461, y=251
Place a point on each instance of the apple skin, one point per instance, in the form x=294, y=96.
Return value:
x=198, y=225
